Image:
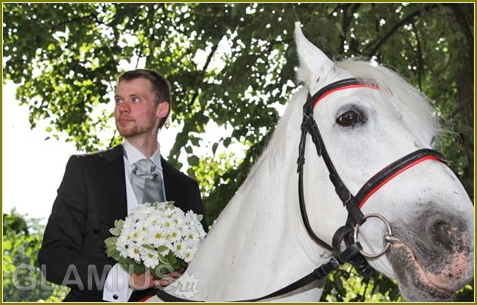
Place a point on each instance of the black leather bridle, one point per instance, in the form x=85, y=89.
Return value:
x=353, y=203
x=352, y=253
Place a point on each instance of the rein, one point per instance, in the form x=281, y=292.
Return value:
x=348, y=233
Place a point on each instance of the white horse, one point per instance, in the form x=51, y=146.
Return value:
x=260, y=244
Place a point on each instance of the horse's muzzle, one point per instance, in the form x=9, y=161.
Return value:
x=434, y=260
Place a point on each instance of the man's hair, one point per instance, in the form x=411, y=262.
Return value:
x=160, y=85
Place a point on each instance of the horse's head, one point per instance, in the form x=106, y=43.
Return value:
x=364, y=129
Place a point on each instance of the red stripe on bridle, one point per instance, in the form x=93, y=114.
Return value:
x=395, y=174
x=351, y=86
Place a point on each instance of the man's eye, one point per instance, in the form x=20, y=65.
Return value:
x=118, y=101
x=135, y=99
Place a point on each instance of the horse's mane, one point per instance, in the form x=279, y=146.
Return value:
x=283, y=145
x=401, y=96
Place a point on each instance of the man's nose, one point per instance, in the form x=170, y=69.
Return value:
x=123, y=107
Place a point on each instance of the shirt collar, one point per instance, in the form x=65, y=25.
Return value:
x=133, y=154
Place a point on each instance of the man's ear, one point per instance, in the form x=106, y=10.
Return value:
x=162, y=110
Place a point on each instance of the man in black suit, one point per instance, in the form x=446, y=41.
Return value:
x=96, y=190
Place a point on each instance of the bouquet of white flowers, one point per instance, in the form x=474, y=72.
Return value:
x=159, y=237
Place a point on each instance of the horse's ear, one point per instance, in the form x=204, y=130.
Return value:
x=313, y=62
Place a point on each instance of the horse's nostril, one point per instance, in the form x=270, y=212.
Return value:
x=442, y=233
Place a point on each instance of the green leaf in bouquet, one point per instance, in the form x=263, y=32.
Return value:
x=172, y=259
x=157, y=273
x=118, y=223
x=161, y=249
x=183, y=264
x=118, y=227
x=161, y=271
x=124, y=260
x=115, y=231
x=139, y=268
x=110, y=242
x=111, y=250
x=131, y=265
x=149, y=247
x=162, y=259
x=176, y=263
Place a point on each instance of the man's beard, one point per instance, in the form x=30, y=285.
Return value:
x=134, y=131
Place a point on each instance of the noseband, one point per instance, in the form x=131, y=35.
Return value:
x=353, y=203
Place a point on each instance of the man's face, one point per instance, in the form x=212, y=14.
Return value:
x=135, y=112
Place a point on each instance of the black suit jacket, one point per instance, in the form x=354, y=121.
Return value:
x=90, y=198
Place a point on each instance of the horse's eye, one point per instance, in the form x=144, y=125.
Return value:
x=349, y=119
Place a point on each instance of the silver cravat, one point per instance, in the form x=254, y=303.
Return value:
x=146, y=182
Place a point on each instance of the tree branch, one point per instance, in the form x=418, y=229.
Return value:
x=206, y=66
x=395, y=28
x=348, y=11
x=420, y=66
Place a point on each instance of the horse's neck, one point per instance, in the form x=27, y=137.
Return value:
x=258, y=245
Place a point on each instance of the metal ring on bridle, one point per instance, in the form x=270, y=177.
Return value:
x=388, y=237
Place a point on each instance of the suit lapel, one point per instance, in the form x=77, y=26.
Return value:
x=115, y=184
x=170, y=181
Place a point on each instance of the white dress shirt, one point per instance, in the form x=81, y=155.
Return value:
x=116, y=288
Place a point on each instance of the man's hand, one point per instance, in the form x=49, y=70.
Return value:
x=146, y=280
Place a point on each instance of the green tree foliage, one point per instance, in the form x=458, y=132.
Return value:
x=231, y=66
x=22, y=280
